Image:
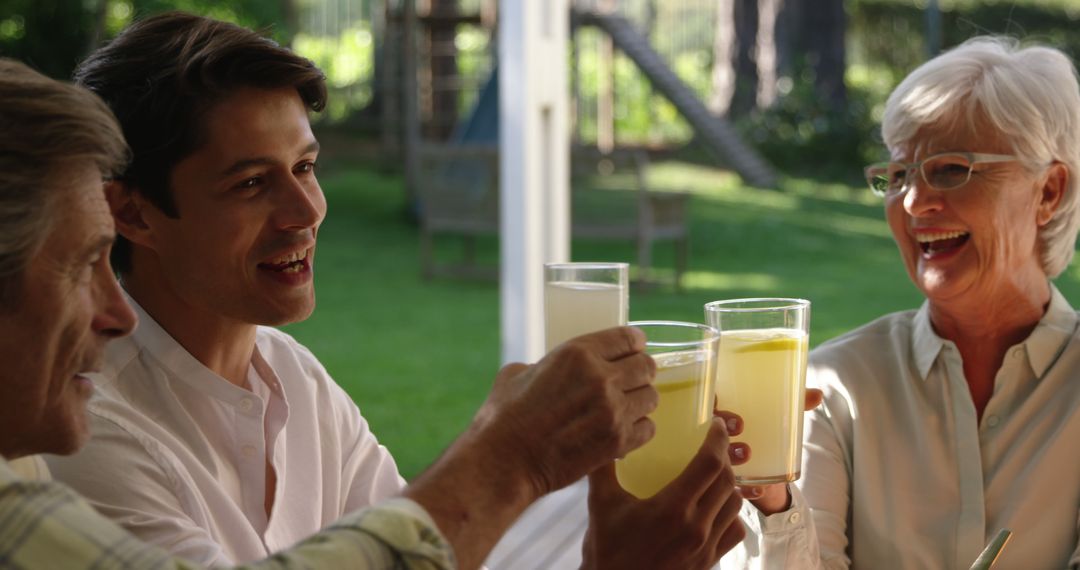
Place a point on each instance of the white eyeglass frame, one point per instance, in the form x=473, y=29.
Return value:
x=973, y=158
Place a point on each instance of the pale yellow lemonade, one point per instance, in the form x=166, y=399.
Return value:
x=761, y=375
x=681, y=418
x=574, y=308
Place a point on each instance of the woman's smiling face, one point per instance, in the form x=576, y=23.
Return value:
x=980, y=237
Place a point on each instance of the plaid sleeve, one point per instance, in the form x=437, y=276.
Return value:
x=46, y=525
x=395, y=534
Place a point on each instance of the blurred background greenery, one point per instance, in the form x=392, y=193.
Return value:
x=418, y=356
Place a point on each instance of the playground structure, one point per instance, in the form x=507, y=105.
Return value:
x=441, y=117
x=443, y=90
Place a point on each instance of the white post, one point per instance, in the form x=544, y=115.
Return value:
x=534, y=145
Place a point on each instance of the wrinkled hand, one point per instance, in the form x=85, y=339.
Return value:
x=771, y=499
x=581, y=406
x=689, y=524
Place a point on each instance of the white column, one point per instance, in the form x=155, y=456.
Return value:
x=534, y=146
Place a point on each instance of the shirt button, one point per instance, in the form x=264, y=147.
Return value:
x=993, y=421
x=1017, y=352
x=795, y=518
x=246, y=404
x=248, y=450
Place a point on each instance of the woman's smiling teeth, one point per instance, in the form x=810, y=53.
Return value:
x=935, y=242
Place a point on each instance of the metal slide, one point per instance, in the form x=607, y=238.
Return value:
x=717, y=134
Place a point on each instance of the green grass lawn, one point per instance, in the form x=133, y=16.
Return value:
x=418, y=357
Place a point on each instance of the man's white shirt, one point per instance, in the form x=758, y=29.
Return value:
x=178, y=454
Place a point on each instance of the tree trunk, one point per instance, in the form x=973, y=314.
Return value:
x=746, y=73
x=789, y=29
x=744, y=56
x=605, y=87
x=97, y=34
x=832, y=54
x=765, y=55
x=290, y=20
x=933, y=29
x=651, y=14
x=811, y=37
x=723, y=71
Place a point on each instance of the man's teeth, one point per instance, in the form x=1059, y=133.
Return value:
x=291, y=258
x=293, y=269
x=928, y=238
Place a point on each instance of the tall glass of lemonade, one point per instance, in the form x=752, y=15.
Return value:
x=685, y=355
x=761, y=375
x=581, y=298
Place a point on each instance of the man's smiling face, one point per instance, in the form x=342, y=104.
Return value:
x=249, y=210
x=67, y=307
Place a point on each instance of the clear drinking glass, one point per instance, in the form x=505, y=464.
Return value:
x=685, y=355
x=761, y=375
x=581, y=298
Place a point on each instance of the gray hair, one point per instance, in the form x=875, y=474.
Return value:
x=1029, y=95
x=46, y=127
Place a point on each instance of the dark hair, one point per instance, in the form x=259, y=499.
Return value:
x=46, y=128
x=162, y=74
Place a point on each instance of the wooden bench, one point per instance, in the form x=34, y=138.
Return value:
x=629, y=210
x=458, y=194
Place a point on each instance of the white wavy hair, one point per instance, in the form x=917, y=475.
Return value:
x=1028, y=95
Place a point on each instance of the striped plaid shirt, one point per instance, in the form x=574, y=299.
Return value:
x=44, y=524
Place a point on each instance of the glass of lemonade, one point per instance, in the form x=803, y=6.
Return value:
x=581, y=298
x=761, y=375
x=685, y=355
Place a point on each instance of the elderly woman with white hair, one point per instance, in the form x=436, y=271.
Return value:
x=943, y=424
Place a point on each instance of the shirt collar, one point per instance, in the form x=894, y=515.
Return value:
x=925, y=343
x=1056, y=326
x=150, y=336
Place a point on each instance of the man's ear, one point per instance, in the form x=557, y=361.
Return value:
x=127, y=207
x=1053, y=190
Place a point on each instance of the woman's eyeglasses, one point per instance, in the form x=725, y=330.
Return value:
x=941, y=172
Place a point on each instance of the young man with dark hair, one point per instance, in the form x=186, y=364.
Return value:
x=223, y=440
x=234, y=441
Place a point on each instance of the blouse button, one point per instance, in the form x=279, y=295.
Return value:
x=246, y=404
x=993, y=421
x=795, y=518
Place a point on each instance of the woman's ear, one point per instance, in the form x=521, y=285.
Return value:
x=1053, y=190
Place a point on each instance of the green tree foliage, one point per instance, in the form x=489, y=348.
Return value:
x=49, y=35
x=256, y=14
x=887, y=40
x=803, y=135
x=54, y=35
x=348, y=61
x=892, y=34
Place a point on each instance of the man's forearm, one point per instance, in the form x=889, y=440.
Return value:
x=474, y=492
